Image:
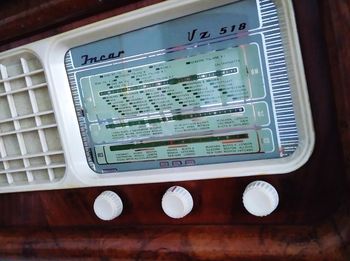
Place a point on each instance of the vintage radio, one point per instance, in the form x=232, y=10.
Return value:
x=174, y=130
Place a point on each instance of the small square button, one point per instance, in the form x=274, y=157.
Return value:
x=164, y=164
x=176, y=163
x=190, y=162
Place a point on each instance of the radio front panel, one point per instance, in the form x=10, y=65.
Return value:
x=175, y=91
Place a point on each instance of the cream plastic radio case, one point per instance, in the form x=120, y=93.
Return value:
x=180, y=90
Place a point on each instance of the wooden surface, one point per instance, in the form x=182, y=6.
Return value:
x=313, y=218
x=23, y=18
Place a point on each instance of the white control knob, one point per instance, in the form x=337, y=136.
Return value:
x=177, y=202
x=108, y=205
x=260, y=198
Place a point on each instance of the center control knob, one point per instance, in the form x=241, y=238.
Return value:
x=260, y=198
x=108, y=205
x=177, y=202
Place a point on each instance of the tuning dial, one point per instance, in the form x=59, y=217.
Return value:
x=260, y=198
x=177, y=202
x=108, y=205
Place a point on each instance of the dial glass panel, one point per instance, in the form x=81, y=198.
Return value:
x=210, y=87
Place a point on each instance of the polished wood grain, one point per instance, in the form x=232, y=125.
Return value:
x=311, y=223
x=22, y=18
x=22, y=22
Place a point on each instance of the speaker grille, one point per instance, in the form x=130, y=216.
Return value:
x=30, y=146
